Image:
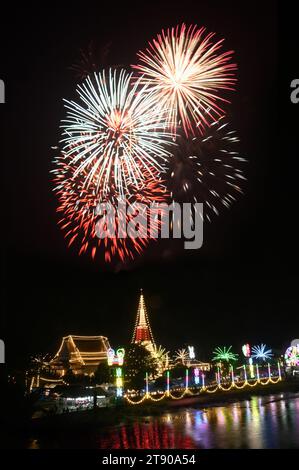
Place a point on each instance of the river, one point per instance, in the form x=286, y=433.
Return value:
x=263, y=422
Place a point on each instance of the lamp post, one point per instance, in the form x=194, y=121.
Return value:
x=269, y=370
x=167, y=383
x=245, y=374
x=232, y=374
x=146, y=385
x=279, y=370
x=187, y=379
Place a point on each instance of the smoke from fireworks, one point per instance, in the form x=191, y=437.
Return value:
x=91, y=60
x=114, y=133
x=186, y=70
x=207, y=169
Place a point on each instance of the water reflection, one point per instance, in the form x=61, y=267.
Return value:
x=262, y=422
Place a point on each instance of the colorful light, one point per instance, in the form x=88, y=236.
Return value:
x=261, y=352
x=224, y=354
x=181, y=355
x=279, y=370
x=191, y=352
x=246, y=350
x=185, y=72
x=257, y=372
x=269, y=370
x=187, y=379
x=110, y=356
x=115, y=359
x=119, y=382
x=196, y=375
x=146, y=385
x=203, y=380
x=245, y=373
x=218, y=376
x=292, y=356
x=208, y=169
x=232, y=374
x=167, y=382
x=120, y=353
x=114, y=133
x=251, y=368
x=82, y=222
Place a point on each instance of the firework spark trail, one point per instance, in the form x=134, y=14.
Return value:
x=114, y=132
x=79, y=220
x=208, y=169
x=185, y=69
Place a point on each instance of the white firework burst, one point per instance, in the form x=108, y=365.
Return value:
x=114, y=132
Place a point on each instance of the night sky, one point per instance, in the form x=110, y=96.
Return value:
x=242, y=285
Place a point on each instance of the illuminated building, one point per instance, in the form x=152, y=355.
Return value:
x=142, y=331
x=81, y=354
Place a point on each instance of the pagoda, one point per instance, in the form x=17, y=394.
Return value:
x=142, y=331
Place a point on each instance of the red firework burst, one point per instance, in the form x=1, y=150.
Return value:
x=185, y=70
x=81, y=221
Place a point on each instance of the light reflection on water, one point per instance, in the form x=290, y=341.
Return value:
x=262, y=422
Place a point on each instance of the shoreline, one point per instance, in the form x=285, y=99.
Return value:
x=125, y=412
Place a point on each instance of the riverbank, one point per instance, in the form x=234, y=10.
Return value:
x=117, y=414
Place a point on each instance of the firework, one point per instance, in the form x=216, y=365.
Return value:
x=260, y=352
x=186, y=69
x=114, y=134
x=81, y=219
x=91, y=59
x=224, y=354
x=208, y=169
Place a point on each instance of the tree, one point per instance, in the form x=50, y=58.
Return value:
x=178, y=372
x=138, y=361
x=102, y=374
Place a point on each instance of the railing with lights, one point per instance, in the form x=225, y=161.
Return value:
x=207, y=388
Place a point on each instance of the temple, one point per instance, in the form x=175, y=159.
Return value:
x=142, y=331
x=81, y=354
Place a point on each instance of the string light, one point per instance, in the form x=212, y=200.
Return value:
x=207, y=389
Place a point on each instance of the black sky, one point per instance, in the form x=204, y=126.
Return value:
x=242, y=285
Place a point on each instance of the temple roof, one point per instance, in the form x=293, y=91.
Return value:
x=84, y=350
